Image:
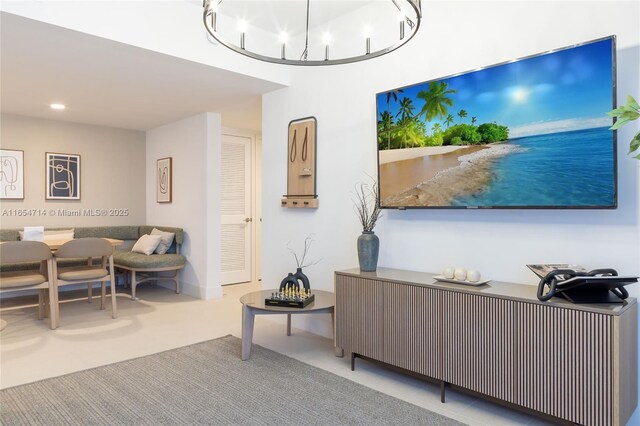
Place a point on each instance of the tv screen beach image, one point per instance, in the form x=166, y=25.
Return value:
x=529, y=133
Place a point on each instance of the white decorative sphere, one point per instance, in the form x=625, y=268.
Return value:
x=473, y=275
x=448, y=273
x=460, y=274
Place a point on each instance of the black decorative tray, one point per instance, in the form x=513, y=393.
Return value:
x=290, y=303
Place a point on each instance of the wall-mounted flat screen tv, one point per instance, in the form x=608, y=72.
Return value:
x=529, y=133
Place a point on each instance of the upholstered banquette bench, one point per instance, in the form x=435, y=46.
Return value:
x=137, y=267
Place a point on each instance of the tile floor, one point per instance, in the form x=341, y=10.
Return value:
x=162, y=320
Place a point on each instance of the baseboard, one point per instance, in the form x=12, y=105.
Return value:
x=198, y=292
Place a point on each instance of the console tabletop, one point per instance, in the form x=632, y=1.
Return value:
x=499, y=289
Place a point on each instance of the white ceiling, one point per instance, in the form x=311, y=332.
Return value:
x=107, y=83
x=290, y=15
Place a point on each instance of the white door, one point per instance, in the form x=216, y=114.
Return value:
x=235, y=206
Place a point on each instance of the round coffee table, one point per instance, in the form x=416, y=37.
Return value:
x=253, y=304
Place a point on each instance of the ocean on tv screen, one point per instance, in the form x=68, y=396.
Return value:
x=580, y=172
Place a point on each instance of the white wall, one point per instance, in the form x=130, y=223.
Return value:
x=173, y=27
x=455, y=37
x=194, y=145
x=112, y=173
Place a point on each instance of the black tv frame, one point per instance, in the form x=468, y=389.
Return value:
x=615, y=136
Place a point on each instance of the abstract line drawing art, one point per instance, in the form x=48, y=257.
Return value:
x=164, y=180
x=62, y=176
x=11, y=174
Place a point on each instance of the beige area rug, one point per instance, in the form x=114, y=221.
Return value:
x=207, y=383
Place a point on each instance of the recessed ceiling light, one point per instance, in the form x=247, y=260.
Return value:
x=57, y=106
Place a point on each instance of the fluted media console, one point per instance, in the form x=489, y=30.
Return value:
x=576, y=363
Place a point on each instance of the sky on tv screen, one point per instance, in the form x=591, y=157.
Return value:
x=561, y=91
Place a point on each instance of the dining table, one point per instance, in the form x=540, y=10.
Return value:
x=56, y=244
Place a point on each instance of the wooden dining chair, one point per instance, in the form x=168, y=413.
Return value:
x=88, y=248
x=43, y=280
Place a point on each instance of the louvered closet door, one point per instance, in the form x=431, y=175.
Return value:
x=235, y=206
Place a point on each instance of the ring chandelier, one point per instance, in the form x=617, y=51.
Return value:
x=392, y=30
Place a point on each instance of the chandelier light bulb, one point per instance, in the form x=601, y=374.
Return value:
x=366, y=30
x=283, y=49
x=57, y=106
x=401, y=16
x=243, y=25
x=326, y=39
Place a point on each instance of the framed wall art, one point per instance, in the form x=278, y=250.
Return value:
x=11, y=174
x=164, y=180
x=62, y=176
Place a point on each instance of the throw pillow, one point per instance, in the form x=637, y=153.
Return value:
x=61, y=234
x=146, y=244
x=165, y=241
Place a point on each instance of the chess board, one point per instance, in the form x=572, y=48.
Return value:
x=289, y=301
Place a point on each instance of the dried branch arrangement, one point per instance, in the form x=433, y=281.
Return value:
x=300, y=259
x=366, y=204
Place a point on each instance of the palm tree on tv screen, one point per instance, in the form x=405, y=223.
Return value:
x=474, y=119
x=436, y=100
x=410, y=134
x=449, y=120
x=406, y=110
x=462, y=114
x=384, y=126
x=392, y=94
x=436, y=128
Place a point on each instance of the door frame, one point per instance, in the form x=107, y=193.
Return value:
x=256, y=241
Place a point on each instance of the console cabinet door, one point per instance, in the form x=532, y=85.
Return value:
x=478, y=340
x=359, y=316
x=564, y=363
x=412, y=328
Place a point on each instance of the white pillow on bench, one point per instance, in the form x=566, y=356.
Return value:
x=146, y=244
x=165, y=241
x=61, y=234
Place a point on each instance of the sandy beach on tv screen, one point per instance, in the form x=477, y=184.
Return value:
x=391, y=155
x=438, y=177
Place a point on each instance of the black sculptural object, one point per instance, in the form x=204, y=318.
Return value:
x=288, y=281
x=294, y=281
x=300, y=276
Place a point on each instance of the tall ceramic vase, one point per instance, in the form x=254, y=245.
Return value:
x=368, y=248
